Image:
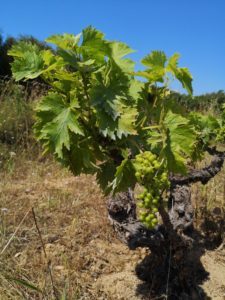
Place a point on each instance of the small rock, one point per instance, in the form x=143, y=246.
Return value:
x=59, y=268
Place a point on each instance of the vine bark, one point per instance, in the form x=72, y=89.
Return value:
x=174, y=241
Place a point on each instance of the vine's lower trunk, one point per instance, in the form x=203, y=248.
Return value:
x=177, y=221
x=175, y=246
x=171, y=243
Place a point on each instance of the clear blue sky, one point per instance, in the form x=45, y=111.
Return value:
x=194, y=28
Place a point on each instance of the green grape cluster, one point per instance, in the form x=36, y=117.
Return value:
x=151, y=174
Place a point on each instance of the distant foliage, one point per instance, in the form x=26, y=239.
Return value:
x=212, y=102
x=5, y=60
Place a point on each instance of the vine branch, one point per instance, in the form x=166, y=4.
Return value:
x=203, y=175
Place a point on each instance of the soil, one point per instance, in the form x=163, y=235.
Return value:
x=124, y=284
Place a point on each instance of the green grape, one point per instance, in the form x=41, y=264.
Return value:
x=148, y=219
x=145, y=190
x=154, y=221
x=151, y=216
x=141, y=196
x=147, y=202
x=139, y=159
x=149, y=196
x=155, y=210
x=140, y=204
x=142, y=218
x=137, y=174
x=155, y=201
x=143, y=214
x=156, y=164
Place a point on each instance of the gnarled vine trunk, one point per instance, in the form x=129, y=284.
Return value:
x=173, y=244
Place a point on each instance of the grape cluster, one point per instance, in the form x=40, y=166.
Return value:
x=153, y=177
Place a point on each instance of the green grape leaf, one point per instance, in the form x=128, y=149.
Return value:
x=173, y=62
x=93, y=45
x=126, y=122
x=203, y=121
x=107, y=126
x=118, y=51
x=179, y=143
x=182, y=74
x=124, y=177
x=69, y=57
x=56, y=120
x=115, y=108
x=206, y=125
x=155, y=60
x=29, y=62
x=82, y=157
x=124, y=125
x=65, y=41
x=154, y=139
x=18, y=49
x=155, y=75
x=135, y=89
x=105, y=175
x=91, y=36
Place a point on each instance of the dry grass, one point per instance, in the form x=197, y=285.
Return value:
x=82, y=251
x=63, y=206
x=71, y=215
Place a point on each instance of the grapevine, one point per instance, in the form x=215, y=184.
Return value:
x=98, y=115
x=100, y=118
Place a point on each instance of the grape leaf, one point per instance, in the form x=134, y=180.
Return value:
x=135, y=89
x=93, y=45
x=180, y=141
x=65, y=41
x=126, y=122
x=206, y=125
x=105, y=175
x=56, y=120
x=122, y=126
x=182, y=74
x=82, y=157
x=118, y=51
x=29, y=63
x=155, y=60
x=124, y=176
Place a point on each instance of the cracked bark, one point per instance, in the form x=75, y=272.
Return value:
x=176, y=222
x=175, y=247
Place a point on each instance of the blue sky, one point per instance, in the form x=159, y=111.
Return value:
x=194, y=28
